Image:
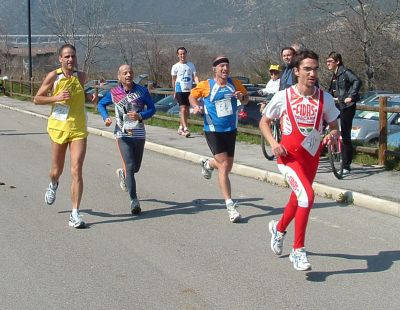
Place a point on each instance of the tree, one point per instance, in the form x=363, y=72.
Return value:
x=78, y=22
x=368, y=27
x=265, y=50
x=145, y=48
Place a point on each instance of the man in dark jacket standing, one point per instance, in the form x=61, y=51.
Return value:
x=287, y=78
x=344, y=88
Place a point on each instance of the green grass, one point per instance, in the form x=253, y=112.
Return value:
x=392, y=162
x=241, y=137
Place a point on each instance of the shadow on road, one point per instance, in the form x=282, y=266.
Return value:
x=190, y=207
x=375, y=263
x=356, y=173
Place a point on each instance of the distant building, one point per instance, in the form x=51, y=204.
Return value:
x=13, y=59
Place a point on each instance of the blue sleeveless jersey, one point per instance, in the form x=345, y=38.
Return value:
x=220, y=108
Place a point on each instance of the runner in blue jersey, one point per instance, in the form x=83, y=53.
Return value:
x=220, y=96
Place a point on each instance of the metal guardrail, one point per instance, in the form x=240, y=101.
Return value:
x=381, y=152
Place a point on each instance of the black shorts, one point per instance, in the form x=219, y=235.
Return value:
x=221, y=142
x=182, y=98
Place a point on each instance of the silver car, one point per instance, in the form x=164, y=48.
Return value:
x=366, y=123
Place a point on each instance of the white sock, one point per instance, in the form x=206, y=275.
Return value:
x=74, y=212
x=53, y=185
x=208, y=165
x=229, y=202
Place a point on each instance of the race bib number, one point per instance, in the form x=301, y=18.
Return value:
x=60, y=112
x=224, y=107
x=312, y=142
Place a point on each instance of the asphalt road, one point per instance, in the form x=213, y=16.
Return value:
x=182, y=252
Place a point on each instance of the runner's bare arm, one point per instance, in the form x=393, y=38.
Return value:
x=196, y=78
x=277, y=148
x=41, y=95
x=173, y=84
x=334, y=133
x=195, y=104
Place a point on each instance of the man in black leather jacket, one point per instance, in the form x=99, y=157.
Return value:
x=344, y=87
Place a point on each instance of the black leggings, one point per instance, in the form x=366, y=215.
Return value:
x=346, y=122
x=132, y=153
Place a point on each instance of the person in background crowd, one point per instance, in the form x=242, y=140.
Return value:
x=183, y=74
x=287, y=78
x=272, y=86
x=344, y=88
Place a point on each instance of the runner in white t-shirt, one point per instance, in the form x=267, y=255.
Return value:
x=183, y=74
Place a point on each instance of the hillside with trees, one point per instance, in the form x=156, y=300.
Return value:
x=251, y=32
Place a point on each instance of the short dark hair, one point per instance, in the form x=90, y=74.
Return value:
x=288, y=48
x=303, y=54
x=336, y=57
x=181, y=48
x=63, y=47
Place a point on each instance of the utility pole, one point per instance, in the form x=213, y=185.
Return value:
x=29, y=40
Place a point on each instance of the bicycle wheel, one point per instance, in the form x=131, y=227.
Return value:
x=276, y=133
x=265, y=149
x=335, y=158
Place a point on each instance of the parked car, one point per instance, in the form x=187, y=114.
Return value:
x=142, y=79
x=242, y=79
x=106, y=85
x=371, y=93
x=394, y=140
x=102, y=90
x=174, y=110
x=165, y=104
x=249, y=114
x=366, y=123
x=160, y=93
x=372, y=100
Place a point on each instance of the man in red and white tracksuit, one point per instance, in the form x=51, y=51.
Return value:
x=302, y=109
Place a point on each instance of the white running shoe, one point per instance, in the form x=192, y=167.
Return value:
x=206, y=172
x=121, y=175
x=76, y=221
x=180, y=131
x=299, y=259
x=50, y=195
x=346, y=172
x=234, y=215
x=277, y=238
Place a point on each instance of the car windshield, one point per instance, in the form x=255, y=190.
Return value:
x=392, y=102
x=372, y=94
x=371, y=115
